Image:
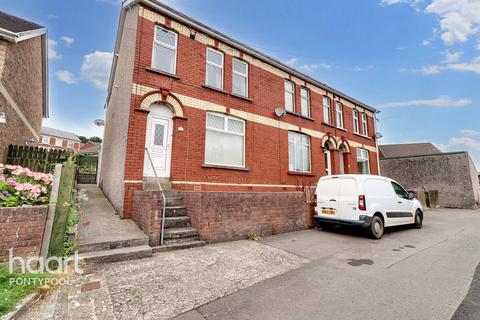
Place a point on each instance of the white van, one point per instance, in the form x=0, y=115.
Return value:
x=373, y=202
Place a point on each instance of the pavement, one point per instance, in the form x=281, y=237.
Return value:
x=100, y=219
x=311, y=274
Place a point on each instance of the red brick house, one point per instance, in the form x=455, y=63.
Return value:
x=59, y=139
x=221, y=119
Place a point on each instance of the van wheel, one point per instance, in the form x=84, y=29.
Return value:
x=376, y=227
x=418, y=220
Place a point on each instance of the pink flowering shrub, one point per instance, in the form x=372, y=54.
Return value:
x=20, y=186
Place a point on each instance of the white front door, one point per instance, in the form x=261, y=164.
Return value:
x=158, y=141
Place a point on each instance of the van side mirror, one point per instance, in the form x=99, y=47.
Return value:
x=411, y=196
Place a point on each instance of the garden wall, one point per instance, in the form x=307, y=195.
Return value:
x=223, y=216
x=22, y=228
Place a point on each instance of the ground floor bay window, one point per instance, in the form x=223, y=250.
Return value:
x=362, y=161
x=224, y=141
x=298, y=152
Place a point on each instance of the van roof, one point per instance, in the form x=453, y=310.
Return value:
x=356, y=176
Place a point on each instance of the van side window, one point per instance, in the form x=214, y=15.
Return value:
x=399, y=190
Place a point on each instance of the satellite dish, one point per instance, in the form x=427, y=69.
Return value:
x=280, y=112
x=378, y=135
x=99, y=122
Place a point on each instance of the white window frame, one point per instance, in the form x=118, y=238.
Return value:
x=155, y=41
x=245, y=76
x=228, y=132
x=363, y=156
x=356, y=125
x=305, y=102
x=364, y=124
x=58, y=142
x=291, y=162
x=291, y=92
x=214, y=65
x=327, y=115
x=70, y=144
x=339, y=113
x=46, y=140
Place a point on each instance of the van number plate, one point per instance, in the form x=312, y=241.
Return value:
x=328, y=211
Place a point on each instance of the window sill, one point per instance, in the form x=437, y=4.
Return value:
x=343, y=129
x=241, y=97
x=363, y=136
x=214, y=89
x=171, y=75
x=215, y=166
x=299, y=115
x=329, y=125
x=297, y=173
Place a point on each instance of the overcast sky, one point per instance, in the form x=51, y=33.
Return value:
x=418, y=61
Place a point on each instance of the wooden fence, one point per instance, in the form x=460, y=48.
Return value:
x=35, y=158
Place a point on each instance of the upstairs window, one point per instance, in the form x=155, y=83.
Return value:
x=164, y=56
x=214, y=69
x=289, y=96
x=364, y=124
x=58, y=142
x=355, y=121
x=362, y=161
x=326, y=110
x=240, y=78
x=339, y=110
x=305, y=102
x=45, y=140
x=70, y=144
x=225, y=140
x=298, y=152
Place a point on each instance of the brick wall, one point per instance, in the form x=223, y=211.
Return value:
x=146, y=212
x=22, y=229
x=221, y=216
x=22, y=78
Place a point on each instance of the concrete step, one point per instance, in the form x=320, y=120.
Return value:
x=170, y=192
x=175, y=211
x=179, y=240
x=179, y=246
x=111, y=244
x=174, y=201
x=178, y=233
x=114, y=255
x=177, y=222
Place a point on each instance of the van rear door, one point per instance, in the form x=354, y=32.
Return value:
x=348, y=199
x=327, y=197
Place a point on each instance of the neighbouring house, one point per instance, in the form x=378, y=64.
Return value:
x=237, y=133
x=423, y=167
x=90, y=148
x=23, y=81
x=59, y=139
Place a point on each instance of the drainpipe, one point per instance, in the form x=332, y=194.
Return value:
x=376, y=140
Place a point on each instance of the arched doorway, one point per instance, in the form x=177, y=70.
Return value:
x=327, y=152
x=158, y=140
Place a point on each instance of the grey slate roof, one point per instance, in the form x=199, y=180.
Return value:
x=16, y=24
x=407, y=150
x=59, y=133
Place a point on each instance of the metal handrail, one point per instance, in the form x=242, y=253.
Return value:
x=163, y=195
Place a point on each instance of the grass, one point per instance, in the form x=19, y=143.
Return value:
x=11, y=293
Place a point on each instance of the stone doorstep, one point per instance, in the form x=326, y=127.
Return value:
x=111, y=244
x=175, y=233
x=174, y=201
x=179, y=240
x=177, y=222
x=175, y=211
x=115, y=255
x=179, y=246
